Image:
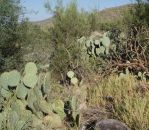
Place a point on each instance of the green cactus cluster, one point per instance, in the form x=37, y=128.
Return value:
x=73, y=79
x=142, y=75
x=12, y=83
x=23, y=103
x=96, y=47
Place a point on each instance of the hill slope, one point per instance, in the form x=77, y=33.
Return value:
x=106, y=15
x=114, y=13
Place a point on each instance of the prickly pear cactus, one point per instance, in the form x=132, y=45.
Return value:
x=44, y=106
x=74, y=81
x=72, y=78
x=14, y=78
x=70, y=74
x=58, y=107
x=30, y=80
x=30, y=68
x=142, y=76
x=23, y=102
x=4, y=80
x=21, y=91
x=74, y=104
x=97, y=47
x=6, y=94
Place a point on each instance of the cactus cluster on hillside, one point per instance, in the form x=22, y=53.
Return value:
x=72, y=78
x=108, y=51
x=96, y=46
x=24, y=103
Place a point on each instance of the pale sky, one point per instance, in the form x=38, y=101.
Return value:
x=36, y=10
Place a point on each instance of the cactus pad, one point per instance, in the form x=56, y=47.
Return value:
x=5, y=93
x=31, y=68
x=4, y=80
x=30, y=80
x=70, y=74
x=14, y=78
x=21, y=91
x=74, y=81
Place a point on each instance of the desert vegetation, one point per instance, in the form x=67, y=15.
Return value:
x=79, y=71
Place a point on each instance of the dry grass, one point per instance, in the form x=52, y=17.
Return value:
x=122, y=97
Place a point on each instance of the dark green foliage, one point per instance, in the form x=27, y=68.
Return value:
x=12, y=33
x=108, y=25
x=138, y=14
x=69, y=24
x=137, y=25
x=93, y=21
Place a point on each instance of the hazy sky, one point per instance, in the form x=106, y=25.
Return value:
x=36, y=10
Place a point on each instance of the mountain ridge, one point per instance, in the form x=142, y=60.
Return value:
x=111, y=14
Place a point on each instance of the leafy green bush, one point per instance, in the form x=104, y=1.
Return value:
x=93, y=21
x=109, y=25
x=69, y=24
x=36, y=47
x=12, y=33
x=138, y=14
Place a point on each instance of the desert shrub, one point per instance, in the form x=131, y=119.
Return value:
x=36, y=46
x=109, y=25
x=136, y=25
x=69, y=25
x=138, y=14
x=125, y=98
x=12, y=33
x=131, y=42
x=93, y=21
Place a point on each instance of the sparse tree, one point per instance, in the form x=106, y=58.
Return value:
x=12, y=31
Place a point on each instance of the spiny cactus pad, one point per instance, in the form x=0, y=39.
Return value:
x=70, y=74
x=4, y=80
x=30, y=68
x=82, y=39
x=139, y=74
x=30, y=80
x=88, y=43
x=14, y=78
x=58, y=107
x=21, y=91
x=74, y=81
x=18, y=106
x=97, y=42
x=106, y=42
x=100, y=50
x=31, y=99
x=44, y=106
x=74, y=106
x=5, y=93
x=13, y=118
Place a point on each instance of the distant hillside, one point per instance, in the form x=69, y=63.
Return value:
x=114, y=13
x=106, y=15
x=43, y=22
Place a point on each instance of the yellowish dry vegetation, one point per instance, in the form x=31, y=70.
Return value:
x=129, y=100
